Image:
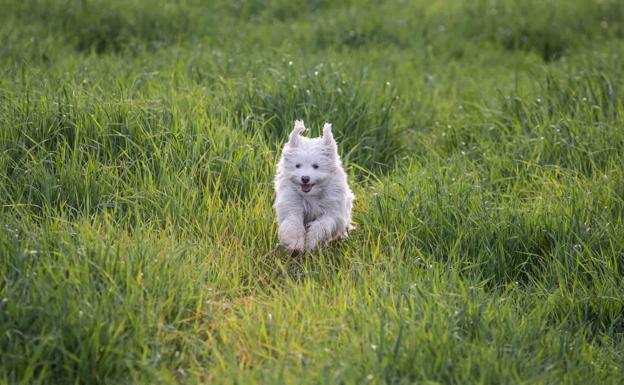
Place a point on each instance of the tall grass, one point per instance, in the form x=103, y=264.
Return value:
x=484, y=143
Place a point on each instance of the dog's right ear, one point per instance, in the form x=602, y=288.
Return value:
x=294, y=135
x=328, y=138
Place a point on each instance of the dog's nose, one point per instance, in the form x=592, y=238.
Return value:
x=305, y=179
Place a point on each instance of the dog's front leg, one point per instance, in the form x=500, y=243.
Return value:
x=291, y=233
x=320, y=231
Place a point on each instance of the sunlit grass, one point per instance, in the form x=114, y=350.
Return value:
x=484, y=143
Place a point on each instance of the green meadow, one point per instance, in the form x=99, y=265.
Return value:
x=484, y=142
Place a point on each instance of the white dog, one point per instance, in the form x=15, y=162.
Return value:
x=313, y=200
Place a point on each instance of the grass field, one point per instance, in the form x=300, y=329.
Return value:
x=484, y=141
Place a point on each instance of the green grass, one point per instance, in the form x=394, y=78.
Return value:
x=484, y=142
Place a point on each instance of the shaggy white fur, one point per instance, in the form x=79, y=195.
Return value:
x=313, y=200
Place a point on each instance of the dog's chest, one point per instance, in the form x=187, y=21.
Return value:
x=312, y=209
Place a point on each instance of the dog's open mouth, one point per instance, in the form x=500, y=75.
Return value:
x=306, y=187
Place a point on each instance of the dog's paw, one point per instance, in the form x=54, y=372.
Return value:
x=296, y=247
x=315, y=236
x=292, y=239
x=344, y=232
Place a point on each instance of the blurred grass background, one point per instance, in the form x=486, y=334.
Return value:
x=485, y=145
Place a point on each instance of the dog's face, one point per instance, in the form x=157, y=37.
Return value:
x=309, y=163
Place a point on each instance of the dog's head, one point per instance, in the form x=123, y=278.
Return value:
x=309, y=163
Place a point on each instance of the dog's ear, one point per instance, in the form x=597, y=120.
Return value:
x=328, y=137
x=293, y=141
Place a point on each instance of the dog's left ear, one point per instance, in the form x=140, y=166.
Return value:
x=328, y=137
x=294, y=135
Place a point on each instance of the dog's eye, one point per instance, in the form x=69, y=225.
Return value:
x=315, y=166
x=297, y=165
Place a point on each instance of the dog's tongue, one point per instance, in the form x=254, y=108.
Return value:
x=306, y=187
